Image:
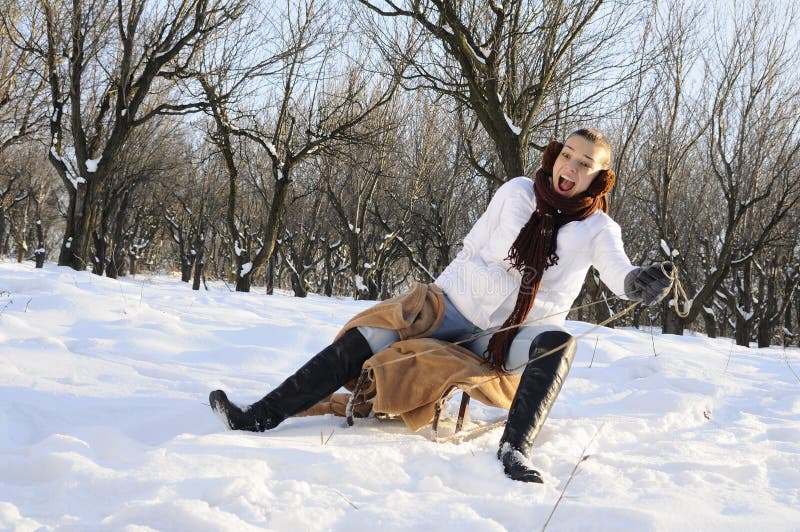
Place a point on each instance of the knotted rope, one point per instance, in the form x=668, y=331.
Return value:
x=677, y=292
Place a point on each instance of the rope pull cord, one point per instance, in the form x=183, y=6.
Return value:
x=677, y=289
x=677, y=292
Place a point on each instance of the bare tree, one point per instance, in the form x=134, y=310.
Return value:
x=134, y=184
x=301, y=247
x=509, y=61
x=753, y=148
x=778, y=283
x=351, y=179
x=12, y=198
x=437, y=195
x=25, y=190
x=21, y=85
x=324, y=92
x=110, y=68
x=670, y=191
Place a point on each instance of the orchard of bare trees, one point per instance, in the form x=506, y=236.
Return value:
x=345, y=147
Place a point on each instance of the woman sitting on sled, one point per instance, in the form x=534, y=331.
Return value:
x=522, y=265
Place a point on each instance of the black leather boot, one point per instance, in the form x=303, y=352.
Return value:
x=538, y=388
x=325, y=373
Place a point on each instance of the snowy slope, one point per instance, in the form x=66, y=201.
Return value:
x=104, y=425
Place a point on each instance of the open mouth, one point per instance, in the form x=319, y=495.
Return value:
x=565, y=184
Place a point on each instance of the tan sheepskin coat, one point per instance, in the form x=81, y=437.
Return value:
x=411, y=375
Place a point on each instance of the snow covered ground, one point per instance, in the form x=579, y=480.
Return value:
x=104, y=425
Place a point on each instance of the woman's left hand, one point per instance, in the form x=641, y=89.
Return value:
x=650, y=284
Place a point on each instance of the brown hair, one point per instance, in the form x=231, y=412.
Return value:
x=596, y=137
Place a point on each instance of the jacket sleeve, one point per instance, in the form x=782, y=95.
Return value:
x=507, y=213
x=609, y=257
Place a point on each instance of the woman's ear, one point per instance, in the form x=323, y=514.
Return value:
x=550, y=155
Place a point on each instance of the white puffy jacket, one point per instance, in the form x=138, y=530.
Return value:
x=482, y=285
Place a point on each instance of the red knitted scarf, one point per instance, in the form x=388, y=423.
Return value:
x=534, y=250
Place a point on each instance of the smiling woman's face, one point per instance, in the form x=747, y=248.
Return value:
x=577, y=165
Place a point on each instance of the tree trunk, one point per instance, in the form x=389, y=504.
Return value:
x=673, y=324
x=80, y=219
x=298, y=285
x=22, y=250
x=199, y=271
x=112, y=271
x=65, y=256
x=711, y=324
x=599, y=311
x=328, y=290
x=743, y=331
x=636, y=319
x=187, y=263
x=199, y=260
x=580, y=314
x=243, y=283
x=511, y=156
x=764, y=335
x=199, y=267
x=39, y=254
x=3, y=235
x=270, y=276
x=244, y=279
x=100, y=248
x=787, y=326
x=744, y=310
x=768, y=305
x=374, y=285
x=133, y=256
x=116, y=265
x=797, y=316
